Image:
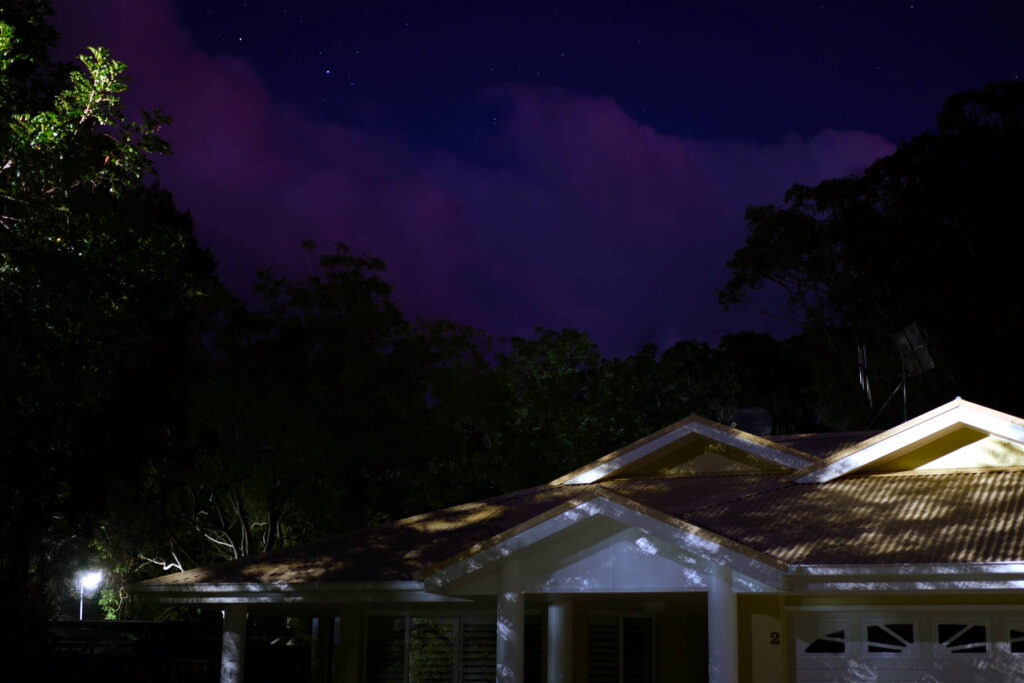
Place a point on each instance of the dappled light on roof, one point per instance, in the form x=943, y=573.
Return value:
x=887, y=500
x=390, y=552
x=916, y=517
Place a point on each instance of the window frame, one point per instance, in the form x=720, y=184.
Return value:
x=943, y=652
x=913, y=649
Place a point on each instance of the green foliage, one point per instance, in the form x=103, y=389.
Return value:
x=99, y=280
x=929, y=234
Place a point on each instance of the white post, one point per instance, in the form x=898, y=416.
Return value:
x=511, y=626
x=232, y=653
x=723, y=637
x=560, y=642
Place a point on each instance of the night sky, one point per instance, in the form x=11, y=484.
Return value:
x=566, y=165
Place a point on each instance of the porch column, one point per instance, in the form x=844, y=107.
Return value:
x=723, y=638
x=511, y=626
x=560, y=642
x=232, y=652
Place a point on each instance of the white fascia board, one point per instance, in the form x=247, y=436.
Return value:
x=996, y=424
x=947, y=577
x=758, y=450
x=692, y=543
x=491, y=555
x=291, y=593
x=604, y=469
x=879, y=451
x=959, y=414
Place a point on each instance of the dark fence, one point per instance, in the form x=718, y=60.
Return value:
x=166, y=652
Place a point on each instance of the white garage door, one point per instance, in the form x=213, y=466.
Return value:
x=970, y=643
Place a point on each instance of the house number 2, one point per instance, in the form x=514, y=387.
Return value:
x=773, y=638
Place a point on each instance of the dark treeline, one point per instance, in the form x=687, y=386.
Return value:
x=152, y=421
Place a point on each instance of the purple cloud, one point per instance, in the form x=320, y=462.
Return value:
x=595, y=221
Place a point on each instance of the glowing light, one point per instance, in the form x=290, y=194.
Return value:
x=90, y=580
x=87, y=581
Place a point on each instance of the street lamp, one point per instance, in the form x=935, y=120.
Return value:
x=87, y=581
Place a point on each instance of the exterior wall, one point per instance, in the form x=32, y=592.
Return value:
x=680, y=630
x=763, y=639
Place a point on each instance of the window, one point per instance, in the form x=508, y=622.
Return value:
x=822, y=638
x=896, y=639
x=1017, y=640
x=478, y=654
x=409, y=649
x=830, y=644
x=621, y=650
x=962, y=639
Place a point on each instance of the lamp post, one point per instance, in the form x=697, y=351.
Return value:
x=87, y=581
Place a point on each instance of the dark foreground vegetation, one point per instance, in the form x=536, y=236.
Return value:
x=153, y=421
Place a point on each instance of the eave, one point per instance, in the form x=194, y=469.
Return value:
x=355, y=593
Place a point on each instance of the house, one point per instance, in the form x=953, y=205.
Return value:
x=700, y=552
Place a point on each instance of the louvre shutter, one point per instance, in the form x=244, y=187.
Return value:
x=443, y=650
x=478, y=652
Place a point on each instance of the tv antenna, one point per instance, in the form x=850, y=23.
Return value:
x=914, y=360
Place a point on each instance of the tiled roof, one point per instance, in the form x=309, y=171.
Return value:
x=679, y=496
x=915, y=517
x=391, y=552
x=823, y=445
x=399, y=550
x=912, y=517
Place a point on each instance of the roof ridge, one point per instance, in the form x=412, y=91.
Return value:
x=694, y=475
x=821, y=435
